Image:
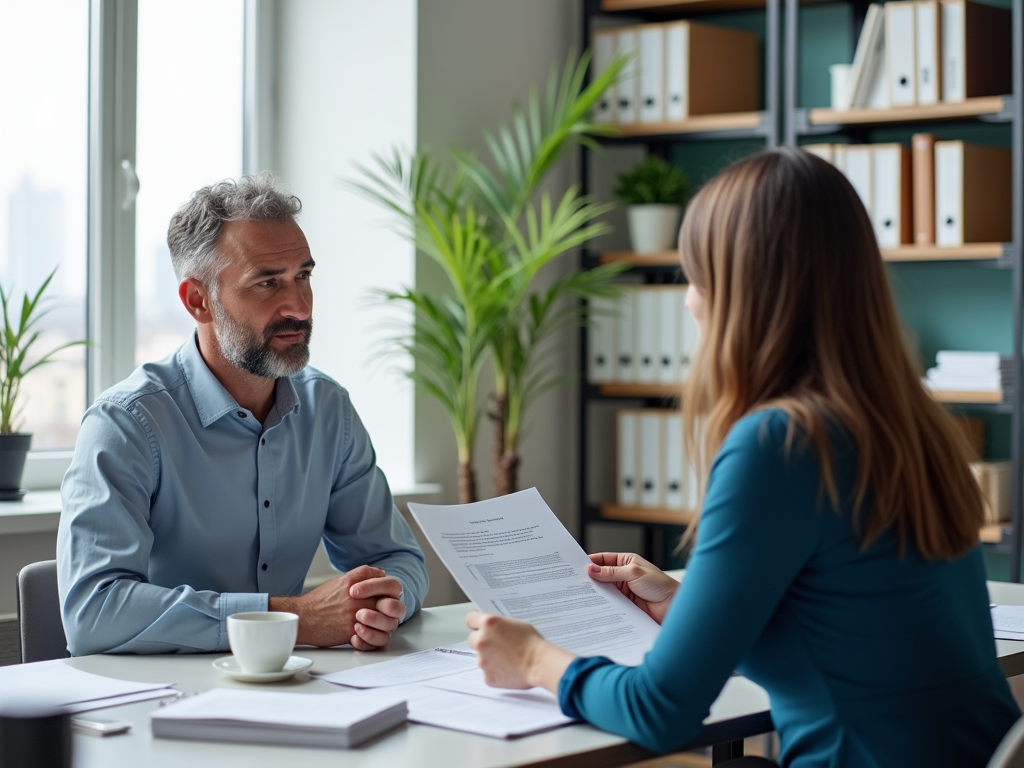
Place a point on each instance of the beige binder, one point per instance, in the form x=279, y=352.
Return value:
x=972, y=193
x=976, y=52
x=922, y=148
x=710, y=70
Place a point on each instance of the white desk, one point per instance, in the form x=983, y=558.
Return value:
x=742, y=710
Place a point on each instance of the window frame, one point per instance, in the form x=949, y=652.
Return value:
x=110, y=217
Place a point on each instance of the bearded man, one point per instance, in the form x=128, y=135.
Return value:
x=202, y=484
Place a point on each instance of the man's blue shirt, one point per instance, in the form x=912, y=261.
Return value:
x=180, y=508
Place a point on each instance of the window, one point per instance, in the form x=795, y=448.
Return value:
x=44, y=90
x=188, y=134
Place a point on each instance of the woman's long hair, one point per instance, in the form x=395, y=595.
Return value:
x=800, y=318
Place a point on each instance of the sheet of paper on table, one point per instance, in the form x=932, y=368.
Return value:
x=57, y=684
x=472, y=683
x=497, y=718
x=513, y=557
x=1008, y=622
x=411, y=668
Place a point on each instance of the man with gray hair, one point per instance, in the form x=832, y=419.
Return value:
x=202, y=485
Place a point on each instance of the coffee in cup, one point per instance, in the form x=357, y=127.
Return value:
x=262, y=641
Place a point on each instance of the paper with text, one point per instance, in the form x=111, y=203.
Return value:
x=513, y=557
x=411, y=668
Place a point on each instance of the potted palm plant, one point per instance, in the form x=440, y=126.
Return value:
x=654, y=193
x=19, y=337
x=492, y=232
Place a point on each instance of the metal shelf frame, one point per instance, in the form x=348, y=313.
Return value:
x=799, y=122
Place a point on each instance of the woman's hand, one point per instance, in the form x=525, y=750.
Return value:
x=645, y=584
x=512, y=654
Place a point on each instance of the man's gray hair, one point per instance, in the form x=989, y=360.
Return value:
x=194, y=229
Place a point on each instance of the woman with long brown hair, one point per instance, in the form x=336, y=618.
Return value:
x=836, y=560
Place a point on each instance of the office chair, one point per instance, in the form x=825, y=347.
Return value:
x=1010, y=753
x=40, y=626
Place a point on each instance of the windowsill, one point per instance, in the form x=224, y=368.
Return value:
x=38, y=512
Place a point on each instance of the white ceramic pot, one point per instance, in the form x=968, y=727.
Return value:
x=653, y=228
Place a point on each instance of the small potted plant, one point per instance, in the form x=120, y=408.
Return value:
x=654, y=193
x=19, y=336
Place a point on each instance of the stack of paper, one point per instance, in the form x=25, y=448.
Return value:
x=967, y=372
x=294, y=719
x=1008, y=622
x=58, y=685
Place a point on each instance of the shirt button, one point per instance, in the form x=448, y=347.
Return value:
x=241, y=414
x=264, y=566
x=263, y=441
x=266, y=502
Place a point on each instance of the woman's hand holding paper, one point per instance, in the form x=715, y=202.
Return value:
x=645, y=584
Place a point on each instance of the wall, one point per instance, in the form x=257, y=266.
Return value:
x=475, y=58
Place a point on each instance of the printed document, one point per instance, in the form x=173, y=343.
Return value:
x=512, y=557
x=57, y=684
x=1008, y=622
x=411, y=668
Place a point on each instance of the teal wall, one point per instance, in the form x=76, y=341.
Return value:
x=947, y=307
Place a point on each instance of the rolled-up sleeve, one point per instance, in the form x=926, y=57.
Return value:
x=363, y=524
x=104, y=544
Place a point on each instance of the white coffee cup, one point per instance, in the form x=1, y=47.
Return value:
x=263, y=641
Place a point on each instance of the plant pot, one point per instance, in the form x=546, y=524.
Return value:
x=653, y=228
x=13, y=450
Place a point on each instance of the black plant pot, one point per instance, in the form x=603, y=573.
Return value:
x=13, y=450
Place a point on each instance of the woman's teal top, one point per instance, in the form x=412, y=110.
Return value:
x=871, y=657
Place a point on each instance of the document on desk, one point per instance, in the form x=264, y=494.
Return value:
x=411, y=668
x=57, y=684
x=513, y=557
x=1008, y=622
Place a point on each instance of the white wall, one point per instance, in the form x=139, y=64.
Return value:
x=475, y=58
x=346, y=88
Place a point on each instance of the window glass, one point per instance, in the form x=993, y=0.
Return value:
x=188, y=135
x=44, y=88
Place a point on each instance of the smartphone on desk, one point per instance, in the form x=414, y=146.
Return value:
x=99, y=726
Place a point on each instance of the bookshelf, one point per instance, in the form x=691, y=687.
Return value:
x=783, y=119
x=968, y=120
x=763, y=127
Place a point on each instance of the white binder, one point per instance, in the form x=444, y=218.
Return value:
x=626, y=91
x=627, y=459
x=688, y=339
x=926, y=50
x=677, y=74
x=651, y=471
x=647, y=335
x=900, y=59
x=669, y=329
x=954, y=53
x=675, y=469
x=886, y=193
x=867, y=76
x=858, y=171
x=601, y=342
x=839, y=157
x=604, y=51
x=652, y=73
x=824, y=151
x=949, y=189
x=625, y=338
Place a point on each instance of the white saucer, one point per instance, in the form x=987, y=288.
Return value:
x=295, y=664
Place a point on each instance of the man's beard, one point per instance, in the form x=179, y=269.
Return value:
x=243, y=347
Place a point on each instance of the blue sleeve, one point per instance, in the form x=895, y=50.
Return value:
x=363, y=525
x=103, y=548
x=757, y=530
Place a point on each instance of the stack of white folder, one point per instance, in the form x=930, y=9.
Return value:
x=967, y=372
x=652, y=468
x=675, y=70
x=644, y=336
x=947, y=193
x=925, y=51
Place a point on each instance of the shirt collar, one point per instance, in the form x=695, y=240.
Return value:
x=211, y=398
